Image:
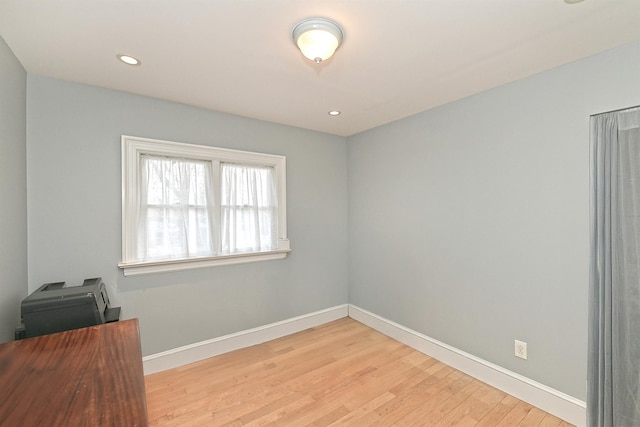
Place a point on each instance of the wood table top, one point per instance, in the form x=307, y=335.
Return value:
x=84, y=377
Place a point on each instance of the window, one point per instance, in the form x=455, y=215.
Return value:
x=188, y=206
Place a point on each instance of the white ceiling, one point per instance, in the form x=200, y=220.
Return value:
x=399, y=57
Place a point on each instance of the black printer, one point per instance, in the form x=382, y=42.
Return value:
x=56, y=308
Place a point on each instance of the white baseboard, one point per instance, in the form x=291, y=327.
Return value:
x=202, y=350
x=550, y=400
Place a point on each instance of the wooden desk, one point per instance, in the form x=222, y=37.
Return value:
x=85, y=377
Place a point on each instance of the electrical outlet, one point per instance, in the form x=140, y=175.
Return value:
x=521, y=349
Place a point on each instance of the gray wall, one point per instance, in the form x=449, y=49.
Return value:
x=13, y=190
x=74, y=200
x=470, y=222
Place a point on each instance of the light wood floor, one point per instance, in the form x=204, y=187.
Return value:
x=342, y=373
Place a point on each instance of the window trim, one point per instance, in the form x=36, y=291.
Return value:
x=133, y=147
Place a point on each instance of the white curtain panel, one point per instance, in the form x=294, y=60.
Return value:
x=176, y=209
x=249, y=209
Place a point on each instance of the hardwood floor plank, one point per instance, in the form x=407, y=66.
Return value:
x=550, y=421
x=517, y=414
x=410, y=399
x=474, y=408
x=437, y=415
x=340, y=374
x=533, y=418
x=434, y=397
x=364, y=409
x=498, y=412
x=276, y=406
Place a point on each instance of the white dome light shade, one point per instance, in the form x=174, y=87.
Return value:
x=317, y=38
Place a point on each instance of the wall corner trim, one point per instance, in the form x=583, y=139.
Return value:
x=546, y=398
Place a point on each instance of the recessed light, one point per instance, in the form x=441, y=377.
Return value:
x=334, y=113
x=128, y=59
x=573, y=1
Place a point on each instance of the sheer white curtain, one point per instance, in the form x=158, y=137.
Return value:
x=249, y=209
x=176, y=209
x=613, y=393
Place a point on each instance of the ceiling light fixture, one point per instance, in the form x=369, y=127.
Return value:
x=334, y=113
x=128, y=59
x=317, y=38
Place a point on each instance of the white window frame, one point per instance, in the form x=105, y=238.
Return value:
x=134, y=147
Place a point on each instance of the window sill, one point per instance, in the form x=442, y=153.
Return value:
x=139, y=268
